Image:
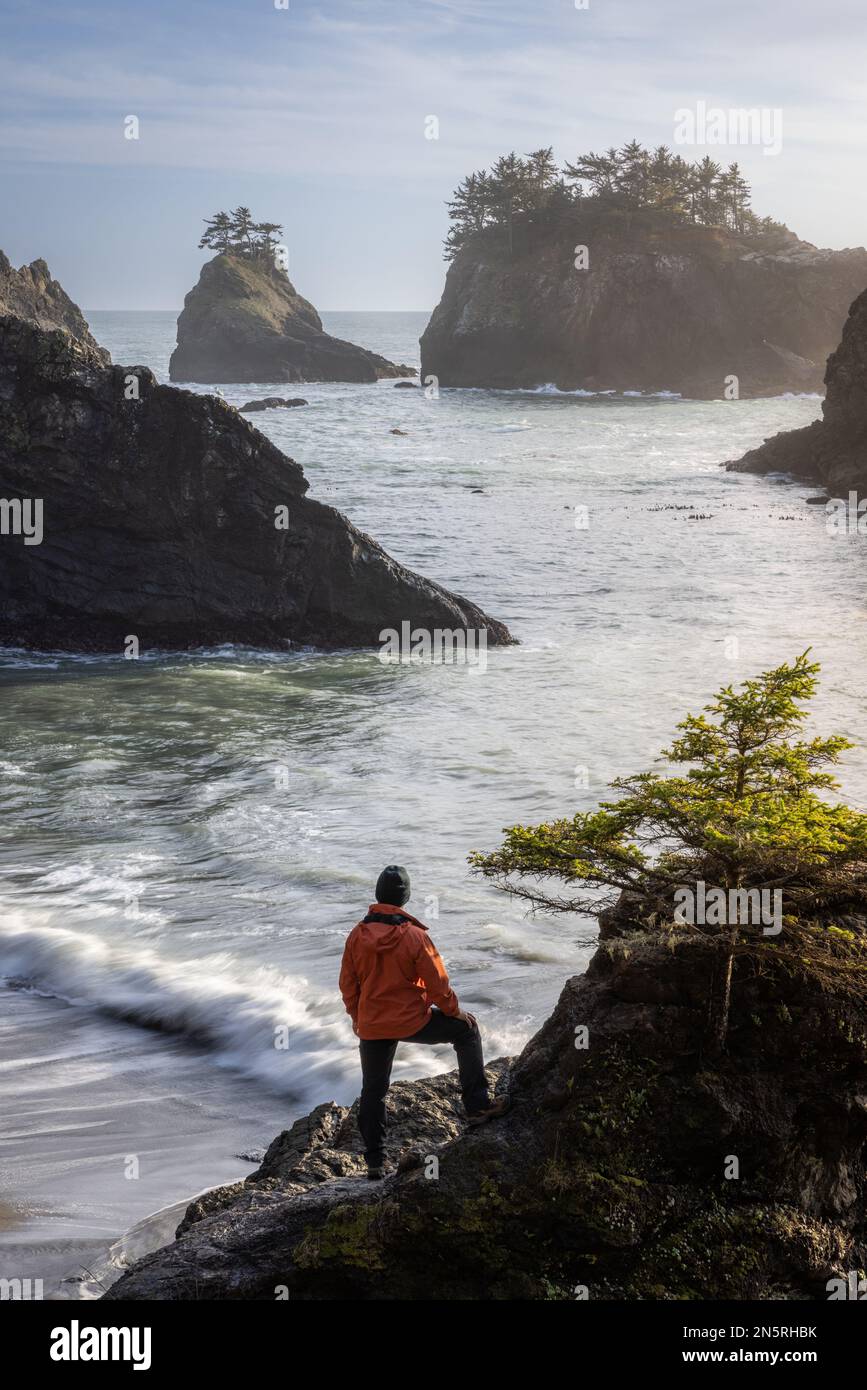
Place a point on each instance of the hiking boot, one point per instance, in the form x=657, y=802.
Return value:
x=376, y=1172
x=498, y=1106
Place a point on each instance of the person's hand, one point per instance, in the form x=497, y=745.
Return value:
x=468, y=1018
x=355, y=1027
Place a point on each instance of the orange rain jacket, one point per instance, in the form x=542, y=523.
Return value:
x=391, y=974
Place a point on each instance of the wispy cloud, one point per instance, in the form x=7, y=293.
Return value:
x=340, y=93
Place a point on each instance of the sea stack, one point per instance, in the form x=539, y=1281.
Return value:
x=245, y=321
x=658, y=307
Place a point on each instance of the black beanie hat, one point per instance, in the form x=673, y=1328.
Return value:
x=392, y=886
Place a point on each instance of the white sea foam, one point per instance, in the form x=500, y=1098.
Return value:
x=527, y=945
x=214, y=1000
x=549, y=389
x=219, y=1003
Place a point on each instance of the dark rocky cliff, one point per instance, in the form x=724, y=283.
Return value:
x=245, y=321
x=661, y=308
x=30, y=293
x=611, y=1176
x=160, y=521
x=832, y=450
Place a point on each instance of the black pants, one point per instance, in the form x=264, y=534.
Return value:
x=377, y=1055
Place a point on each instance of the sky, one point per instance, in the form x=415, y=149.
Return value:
x=316, y=115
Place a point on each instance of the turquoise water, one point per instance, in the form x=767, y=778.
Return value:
x=186, y=840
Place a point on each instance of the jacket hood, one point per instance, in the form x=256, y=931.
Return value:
x=385, y=926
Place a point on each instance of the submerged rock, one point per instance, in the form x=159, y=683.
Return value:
x=272, y=403
x=613, y=1172
x=166, y=516
x=245, y=321
x=832, y=450
x=665, y=307
x=30, y=293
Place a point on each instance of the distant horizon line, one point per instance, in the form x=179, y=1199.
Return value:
x=174, y=310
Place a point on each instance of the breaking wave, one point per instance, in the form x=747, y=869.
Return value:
x=267, y=1024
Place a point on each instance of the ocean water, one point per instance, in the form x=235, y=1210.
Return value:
x=186, y=840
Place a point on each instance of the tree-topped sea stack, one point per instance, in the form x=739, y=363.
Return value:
x=245, y=321
x=632, y=270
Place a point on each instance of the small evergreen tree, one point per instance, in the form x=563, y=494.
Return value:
x=518, y=192
x=237, y=234
x=633, y=174
x=242, y=231
x=265, y=237
x=542, y=176
x=709, y=205
x=217, y=235
x=746, y=814
x=469, y=211
x=508, y=190
x=599, y=170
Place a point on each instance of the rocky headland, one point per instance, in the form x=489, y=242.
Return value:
x=611, y=1177
x=245, y=321
x=166, y=516
x=660, y=306
x=30, y=293
x=833, y=450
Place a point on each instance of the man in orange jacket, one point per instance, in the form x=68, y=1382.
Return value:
x=396, y=989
